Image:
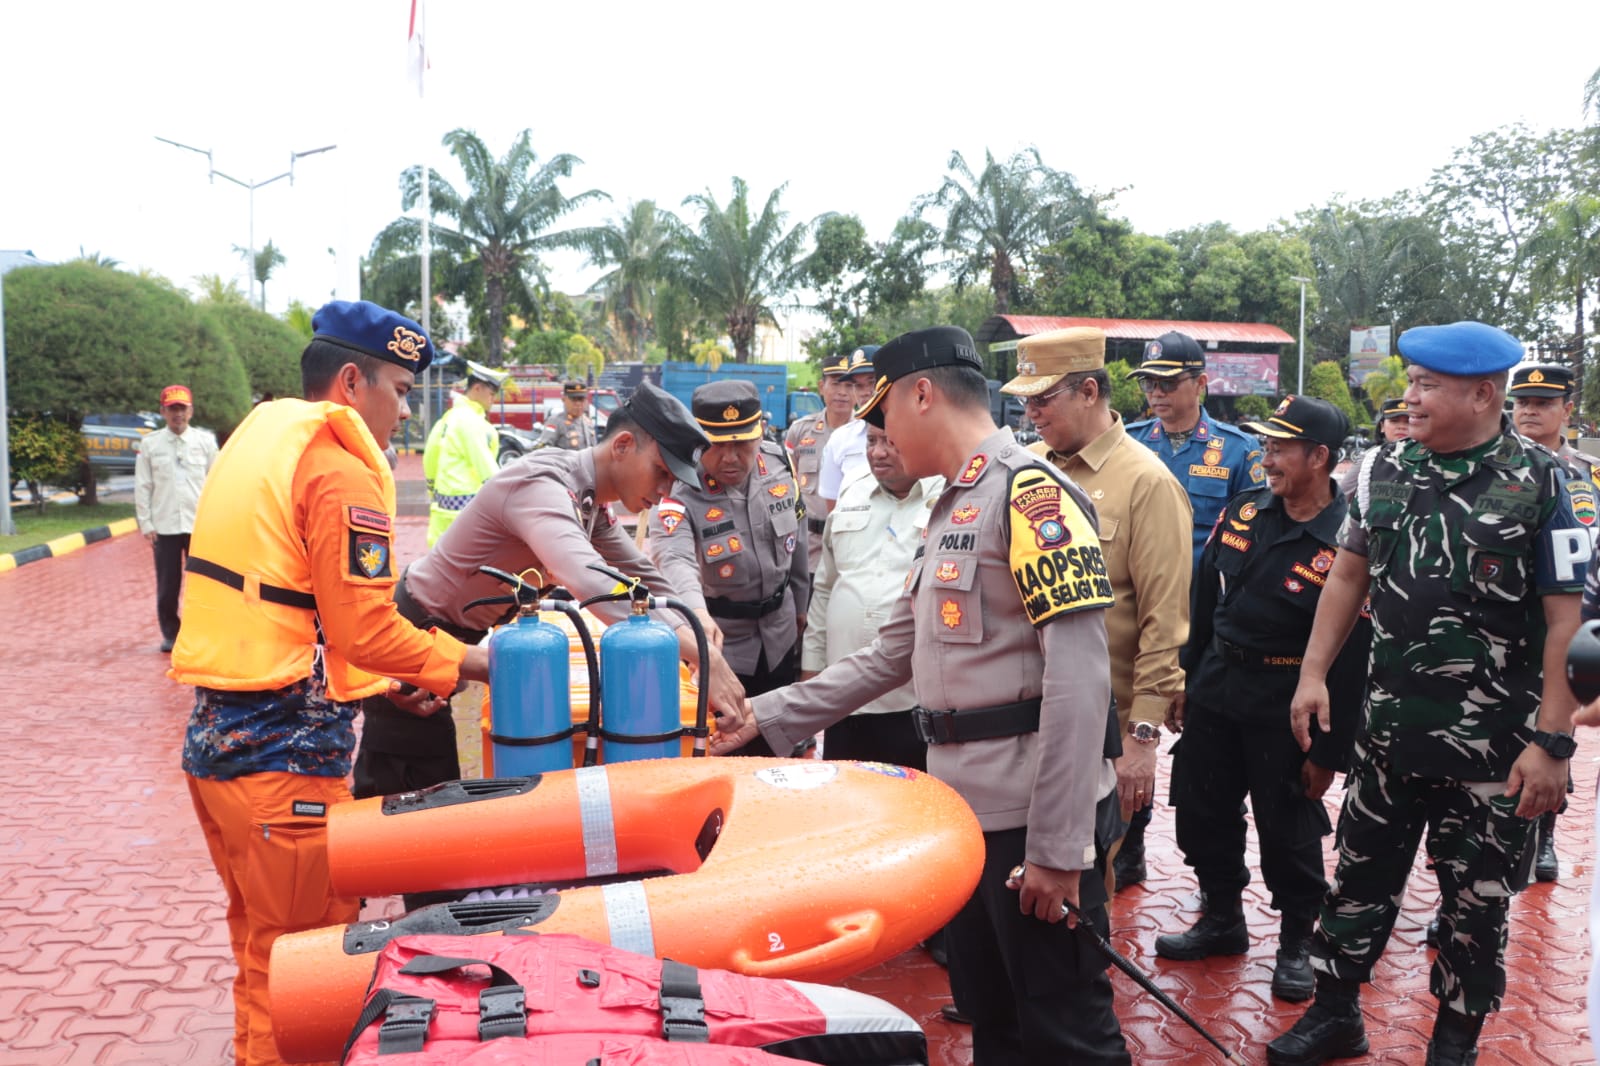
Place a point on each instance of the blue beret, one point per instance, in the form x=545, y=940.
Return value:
x=363, y=326
x=1463, y=349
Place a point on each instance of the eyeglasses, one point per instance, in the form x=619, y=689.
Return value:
x=1034, y=403
x=1163, y=385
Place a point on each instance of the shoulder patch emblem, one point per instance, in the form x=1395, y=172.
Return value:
x=367, y=518
x=369, y=556
x=1322, y=562
x=670, y=520
x=950, y=614
x=789, y=543
x=1041, y=505
x=1055, y=557
x=1583, y=502
x=962, y=515
x=974, y=468
x=1248, y=512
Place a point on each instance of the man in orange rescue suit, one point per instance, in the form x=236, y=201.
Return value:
x=288, y=624
x=732, y=541
x=1002, y=632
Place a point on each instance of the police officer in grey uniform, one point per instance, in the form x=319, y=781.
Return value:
x=730, y=540
x=1002, y=633
x=549, y=512
x=806, y=439
x=572, y=429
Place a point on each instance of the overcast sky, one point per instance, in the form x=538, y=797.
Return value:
x=1245, y=112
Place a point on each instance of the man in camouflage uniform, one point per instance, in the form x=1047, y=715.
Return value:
x=1466, y=540
x=1541, y=407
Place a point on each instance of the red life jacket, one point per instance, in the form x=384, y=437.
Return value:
x=453, y=998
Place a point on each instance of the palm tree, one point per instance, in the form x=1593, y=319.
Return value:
x=495, y=232
x=213, y=289
x=1565, y=256
x=262, y=262
x=638, y=246
x=996, y=219
x=733, y=265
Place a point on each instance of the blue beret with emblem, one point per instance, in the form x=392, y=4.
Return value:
x=1461, y=349
x=364, y=327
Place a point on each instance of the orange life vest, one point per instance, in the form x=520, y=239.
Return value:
x=249, y=616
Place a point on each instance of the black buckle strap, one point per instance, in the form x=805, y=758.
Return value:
x=405, y=1025
x=683, y=1008
x=722, y=607
x=235, y=580
x=982, y=723
x=502, y=1011
x=1235, y=655
x=816, y=525
x=533, y=742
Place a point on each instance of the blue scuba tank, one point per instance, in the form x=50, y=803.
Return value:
x=639, y=682
x=530, y=691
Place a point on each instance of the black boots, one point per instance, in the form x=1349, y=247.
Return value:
x=1330, y=1029
x=1291, y=975
x=1546, y=867
x=1455, y=1038
x=1220, y=931
x=1128, y=866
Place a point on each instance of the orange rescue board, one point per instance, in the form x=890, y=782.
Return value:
x=786, y=868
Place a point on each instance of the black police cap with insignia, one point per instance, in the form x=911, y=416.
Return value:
x=1543, y=379
x=1169, y=355
x=363, y=326
x=921, y=349
x=662, y=417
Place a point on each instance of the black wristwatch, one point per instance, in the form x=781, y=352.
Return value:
x=1556, y=745
x=1143, y=732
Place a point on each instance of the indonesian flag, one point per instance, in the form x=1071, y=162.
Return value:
x=416, y=52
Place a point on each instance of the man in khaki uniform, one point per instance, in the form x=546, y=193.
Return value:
x=1145, y=518
x=572, y=429
x=809, y=436
x=1002, y=632
x=731, y=542
x=549, y=513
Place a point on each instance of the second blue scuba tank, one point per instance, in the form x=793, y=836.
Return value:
x=639, y=679
x=530, y=693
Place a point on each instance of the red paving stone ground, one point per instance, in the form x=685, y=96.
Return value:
x=112, y=948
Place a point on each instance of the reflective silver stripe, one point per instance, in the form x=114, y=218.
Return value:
x=599, y=828
x=628, y=914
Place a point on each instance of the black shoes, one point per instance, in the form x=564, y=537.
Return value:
x=1292, y=979
x=1330, y=1029
x=1455, y=1038
x=953, y=1016
x=1546, y=867
x=1220, y=931
x=1128, y=866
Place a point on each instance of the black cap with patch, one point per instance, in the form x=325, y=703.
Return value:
x=921, y=349
x=665, y=420
x=1543, y=379
x=1304, y=418
x=1169, y=355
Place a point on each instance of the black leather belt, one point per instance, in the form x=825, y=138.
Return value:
x=982, y=723
x=234, y=579
x=1234, y=655
x=418, y=615
x=722, y=607
x=816, y=524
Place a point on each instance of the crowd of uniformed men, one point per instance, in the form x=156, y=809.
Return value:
x=906, y=579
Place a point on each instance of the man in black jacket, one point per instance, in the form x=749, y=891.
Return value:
x=1255, y=595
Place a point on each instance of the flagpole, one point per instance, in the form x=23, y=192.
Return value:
x=418, y=43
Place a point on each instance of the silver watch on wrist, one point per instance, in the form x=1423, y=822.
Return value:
x=1143, y=732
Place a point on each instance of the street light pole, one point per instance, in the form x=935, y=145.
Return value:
x=1301, y=388
x=250, y=187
